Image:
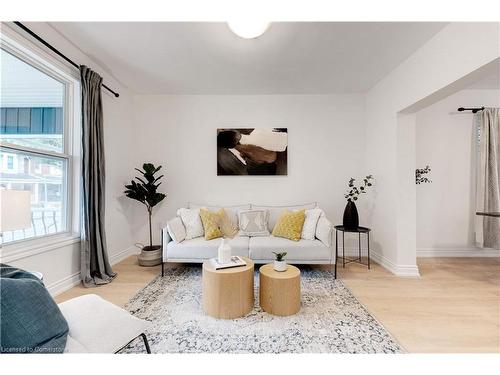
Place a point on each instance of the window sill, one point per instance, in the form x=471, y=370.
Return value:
x=29, y=248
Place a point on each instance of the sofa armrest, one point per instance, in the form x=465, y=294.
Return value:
x=165, y=239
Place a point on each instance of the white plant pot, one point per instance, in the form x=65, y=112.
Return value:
x=280, y=266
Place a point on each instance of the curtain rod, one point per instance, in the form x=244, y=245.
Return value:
x=59, y=53
x=474, y=110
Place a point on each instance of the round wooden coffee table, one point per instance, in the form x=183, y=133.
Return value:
x=279, y=292
x=228, y=293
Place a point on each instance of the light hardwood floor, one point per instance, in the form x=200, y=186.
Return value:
x=453, y=307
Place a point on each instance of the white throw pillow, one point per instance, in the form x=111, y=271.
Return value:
x=192, y=222
x=310, y=223
x=176, y=230
x=324, y=231
x=253, y=223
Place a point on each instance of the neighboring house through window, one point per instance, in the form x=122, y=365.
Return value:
x=37, y=140
x=10, y=162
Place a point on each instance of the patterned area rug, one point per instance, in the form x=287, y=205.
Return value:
x=331, y=320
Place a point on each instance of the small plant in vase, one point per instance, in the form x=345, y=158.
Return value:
x=280, y=262
x=351, y=218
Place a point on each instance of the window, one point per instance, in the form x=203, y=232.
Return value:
x=10, y=162
x=36, y=140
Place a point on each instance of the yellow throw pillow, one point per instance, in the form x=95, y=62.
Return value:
x=290, y=225
x=225, y=225
x=211, y=222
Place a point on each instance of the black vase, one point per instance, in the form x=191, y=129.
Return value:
x=351, y=218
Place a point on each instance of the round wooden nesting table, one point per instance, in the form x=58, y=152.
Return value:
x=228, y=293
x=279, y=292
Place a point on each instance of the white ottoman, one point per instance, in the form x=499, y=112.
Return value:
x=98, y=326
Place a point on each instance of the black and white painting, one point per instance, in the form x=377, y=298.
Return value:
x=252, y=151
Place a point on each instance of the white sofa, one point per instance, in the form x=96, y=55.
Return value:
x=259, y=249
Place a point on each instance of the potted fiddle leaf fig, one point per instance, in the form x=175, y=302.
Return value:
x=144, y=190
x=280, y=262
x=351, y=218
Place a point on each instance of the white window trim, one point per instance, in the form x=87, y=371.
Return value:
x=35, y=56
x=43, y=244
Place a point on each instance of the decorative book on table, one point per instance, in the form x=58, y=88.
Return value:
x=235, y=261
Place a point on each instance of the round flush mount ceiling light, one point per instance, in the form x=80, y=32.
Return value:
x=248, y=29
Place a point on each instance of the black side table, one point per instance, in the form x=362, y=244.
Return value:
x=358, y=230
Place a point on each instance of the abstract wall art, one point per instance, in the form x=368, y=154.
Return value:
x=252, y=151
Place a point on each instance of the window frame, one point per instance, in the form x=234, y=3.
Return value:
x=29, y=53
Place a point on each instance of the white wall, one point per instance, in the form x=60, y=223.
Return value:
x=433, y=69
x=61, y=264
x=445, y=142
x=331, y=138
x=325, y=148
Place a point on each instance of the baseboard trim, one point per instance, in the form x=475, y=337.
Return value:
x=472, y=252
x=70, y=281
x=64, y=284
x=398, y=270
x=121, y=255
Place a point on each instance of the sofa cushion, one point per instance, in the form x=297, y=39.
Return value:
x=231, y=210
x=98, y=326
x=227, y=227
x=192, y=222
x=217, y=224
x=253, y=222
x=276, y=211
x=199, y=248
x=30, y=320
x=324, y=230
x=290, y=225
x=176, y=229
x=261, y=248
x=310, y=223
x=211, y=223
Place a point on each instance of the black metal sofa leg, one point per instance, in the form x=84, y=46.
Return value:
x=146, y=343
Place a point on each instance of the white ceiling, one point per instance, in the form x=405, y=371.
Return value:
x=207, y=58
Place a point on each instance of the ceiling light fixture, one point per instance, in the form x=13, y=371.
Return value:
x=248, y=29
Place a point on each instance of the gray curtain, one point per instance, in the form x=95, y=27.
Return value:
x=95, y=267
x=487, y=181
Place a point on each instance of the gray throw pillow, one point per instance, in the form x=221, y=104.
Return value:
x=30, y=320
x=253, y=223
